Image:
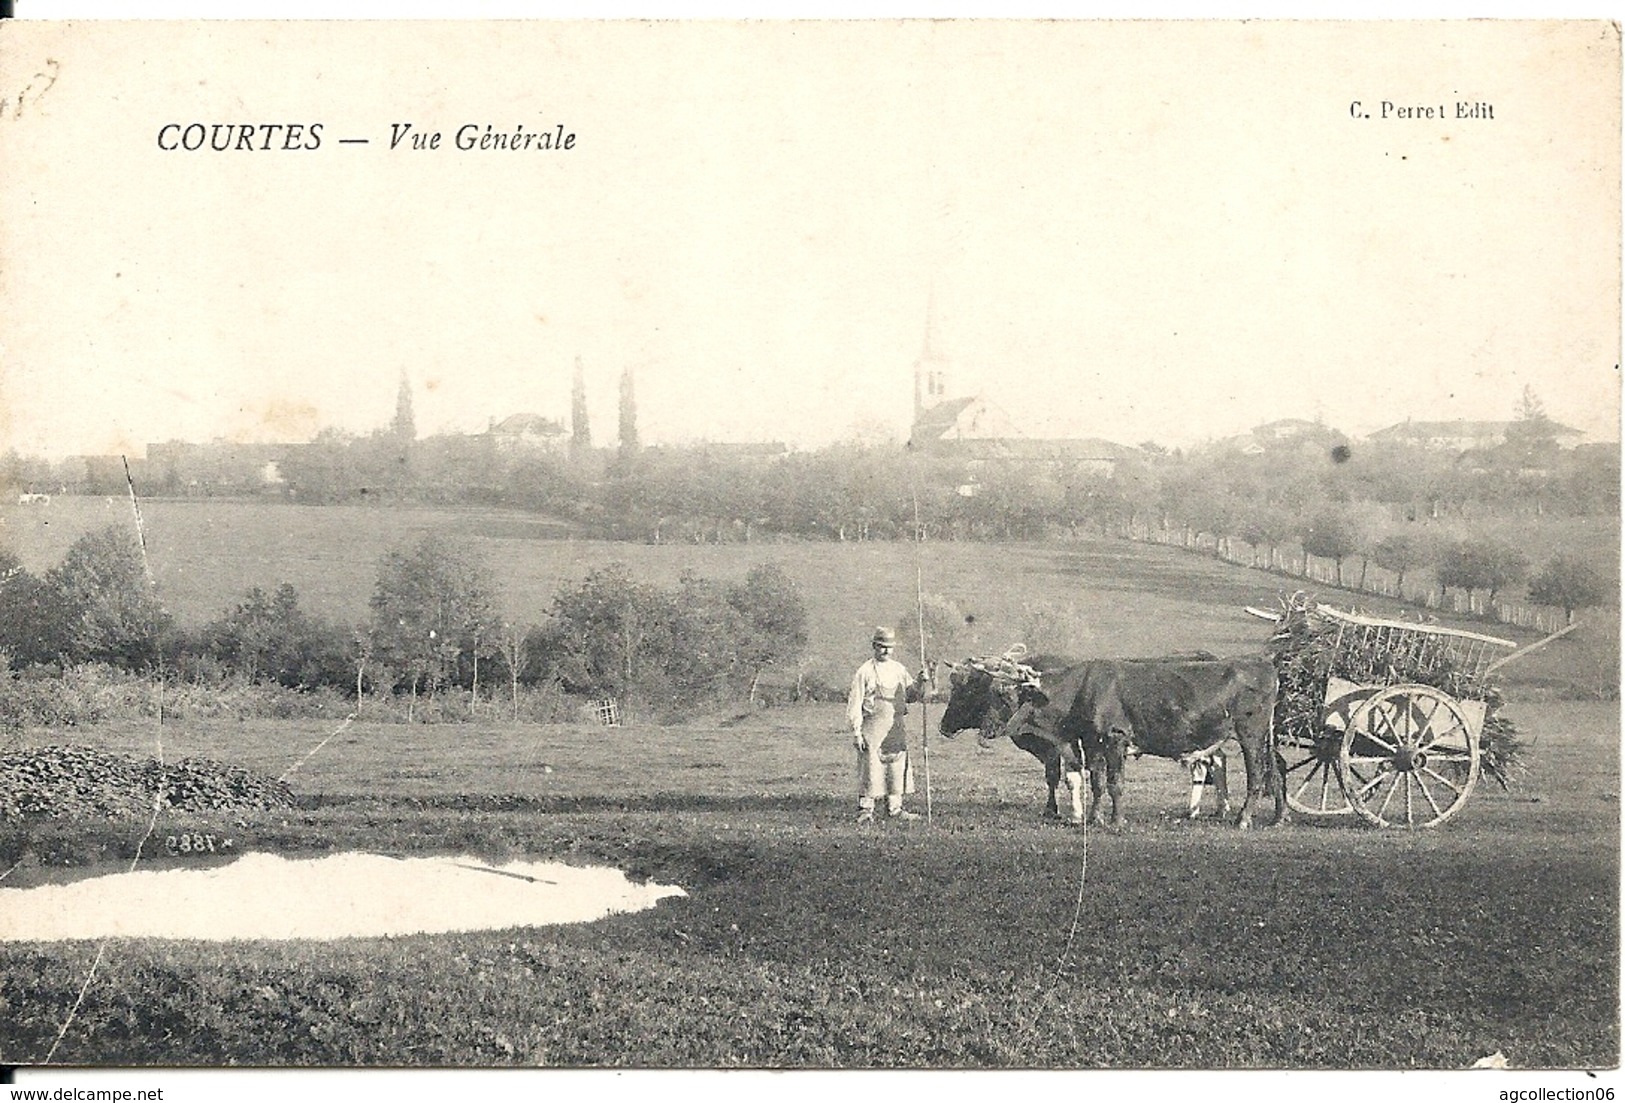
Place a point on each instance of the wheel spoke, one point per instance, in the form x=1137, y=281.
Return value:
x=1428, y=796
x=1410, y=819
x=1403, y=720
x=1365, y=788
x=1387, y=722
x=1308, y=780
x=1310, y=761
x=1431, y=772
x=1454, y=756
x=1436, y=702
x=1372, y=737
x=1327, y=789
x=1406, y=720
x=1392, y=789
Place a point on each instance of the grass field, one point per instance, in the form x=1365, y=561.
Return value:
x=1087, y=598
x=809, y=941
x=986, y=938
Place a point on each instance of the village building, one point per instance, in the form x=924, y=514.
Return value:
x=1288, y=434
x=976, y=430
x=1467, y=436
x=529, y=433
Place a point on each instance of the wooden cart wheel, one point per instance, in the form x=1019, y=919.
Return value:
x=1313, y=773
x=1409, y=757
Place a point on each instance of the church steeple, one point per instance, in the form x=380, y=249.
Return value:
x=931, y=369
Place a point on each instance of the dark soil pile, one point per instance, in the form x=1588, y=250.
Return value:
x=81, y=783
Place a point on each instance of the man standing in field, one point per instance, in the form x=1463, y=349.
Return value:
x=875, y=708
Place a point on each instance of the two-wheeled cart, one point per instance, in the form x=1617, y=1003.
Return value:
x=1381, y=718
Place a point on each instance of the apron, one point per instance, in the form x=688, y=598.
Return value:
x=883, y=769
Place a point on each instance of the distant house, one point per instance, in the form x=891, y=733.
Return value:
x=1088, y=454
x=1464, y=436
x=529, y=432
x=1286, y=434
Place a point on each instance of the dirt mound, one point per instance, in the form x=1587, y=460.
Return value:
x=82, y=783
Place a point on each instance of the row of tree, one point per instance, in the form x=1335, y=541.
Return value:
x=853, y=491
x=1477, y=566
x=432, y=625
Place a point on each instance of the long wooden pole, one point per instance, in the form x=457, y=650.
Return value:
x=1536, y=646
x=919, y=612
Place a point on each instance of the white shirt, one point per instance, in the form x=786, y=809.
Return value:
x=876, y=680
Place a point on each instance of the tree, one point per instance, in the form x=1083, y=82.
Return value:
x=629, y=415
x=773, y=616
x=1219, y=514
x=1399, y=553
x=105, y=608
x=515, y=655
x=580, y=430
x=1331, y=535
x=1463, y=566
x=431, y=611
x=611, y=634
x=25, y=614
x=1504, y=566
x=1531, y=439
x=1568, y=583
x=1265, y=525
x=405, y=426
x=272, y=637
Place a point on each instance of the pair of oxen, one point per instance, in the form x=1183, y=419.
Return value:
x=1092, y=716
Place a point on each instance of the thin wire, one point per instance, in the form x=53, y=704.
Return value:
x=289, y=772
x=158, y=793
x=91, y=975
x=1077, y=908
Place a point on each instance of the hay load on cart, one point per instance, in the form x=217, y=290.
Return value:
x=1392, y=721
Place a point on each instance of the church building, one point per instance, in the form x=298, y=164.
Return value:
x=976, y=429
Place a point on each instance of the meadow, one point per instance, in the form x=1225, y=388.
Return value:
x=984, y=937
x=1089, y=597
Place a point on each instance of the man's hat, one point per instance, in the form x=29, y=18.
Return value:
x=885, y=636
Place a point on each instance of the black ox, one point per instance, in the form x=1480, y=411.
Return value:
x=1096, y=711
x=1207, y=771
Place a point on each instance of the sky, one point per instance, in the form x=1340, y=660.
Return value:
x=1130, y=230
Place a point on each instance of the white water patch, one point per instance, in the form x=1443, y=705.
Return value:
x=264, y=896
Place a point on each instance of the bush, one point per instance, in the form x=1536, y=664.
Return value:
x=613, y=636
x=271, y=638
x=103, y=606
x=26, y=610
x=93, y=692
x=948, y=632
x=431, y=611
